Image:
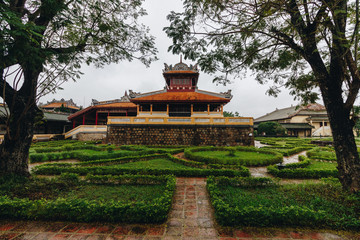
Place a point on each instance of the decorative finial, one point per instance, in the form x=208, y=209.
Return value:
x=180, y=58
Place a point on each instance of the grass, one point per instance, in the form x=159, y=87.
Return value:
x=239, y=155
x=122, y=193
x=316, y=165
x=155, y=164
x=327, y=203
x=322, y=153
x=43, y=188
x=35, y=188
x=314, y=196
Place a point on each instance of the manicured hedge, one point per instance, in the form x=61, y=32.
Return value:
x=118, y=170
x=324, y=153
x=274, y=157
x=70, y=147
x=200, y=169
x=69, y=151
x=120, y=160
x=248, y=208
x=62, y=209
x=295, y=150
x=78, y=154
x=299, y=170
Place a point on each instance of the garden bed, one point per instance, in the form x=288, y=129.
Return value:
x=156, y=164
x=261, y=203
x=305, y=169
x=130, y=199
x=247, y=156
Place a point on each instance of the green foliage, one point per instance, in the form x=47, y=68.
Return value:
x=323, y=153
x=271, y=128
x=132, y=204
x=247, y=156
x=62, y=109
x=51, y=151
x=261, y=203
x=44, y=44
x=304, y=169
x=186, y=169
x=286, y=146
x=231, y=114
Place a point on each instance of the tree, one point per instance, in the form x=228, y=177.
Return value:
x=300, y=44
x=62, y=109
x=43, y=43
x=230, y=114
x=271, y=128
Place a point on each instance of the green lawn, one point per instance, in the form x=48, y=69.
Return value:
x=122, y=193
x=316, y=165
x=323, y=153
x=155, y=164
x=242, y=155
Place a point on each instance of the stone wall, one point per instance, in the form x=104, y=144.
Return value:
x=195, y=135
x=90, y=136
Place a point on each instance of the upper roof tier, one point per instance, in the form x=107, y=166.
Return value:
x=183, y=97
x=181, y=87
x=181, y=77
x=180, y=68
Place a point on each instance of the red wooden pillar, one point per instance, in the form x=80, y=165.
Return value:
x=83, y=119
x=96, y=118
x=126, y=112
x=74, y=123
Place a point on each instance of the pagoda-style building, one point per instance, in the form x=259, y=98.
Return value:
x=179, y=114
x=181, y=96
x=60, y=106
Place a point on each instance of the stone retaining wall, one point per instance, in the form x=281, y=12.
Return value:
x=195, y=135
x=90, y=136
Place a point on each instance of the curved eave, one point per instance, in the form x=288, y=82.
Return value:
x=181, y=101
x=104, y=106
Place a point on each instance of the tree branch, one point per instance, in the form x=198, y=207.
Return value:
x=6, y=89
x=355, y=84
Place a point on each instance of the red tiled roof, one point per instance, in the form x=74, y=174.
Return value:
x=180, y=97
x=59, y=104
x=116, y=105
x=126, y=105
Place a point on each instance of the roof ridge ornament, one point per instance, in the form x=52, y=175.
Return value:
x=180, y=67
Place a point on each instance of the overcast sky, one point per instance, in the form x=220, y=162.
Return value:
x=110, y=82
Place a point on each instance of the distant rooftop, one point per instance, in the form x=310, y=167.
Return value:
x=289, y=112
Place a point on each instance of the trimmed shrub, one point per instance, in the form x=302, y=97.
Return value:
x=273, y=158
x=268, y=205
x=324, y=153
x=299, y=170
x=200, y=170
x=83, y=210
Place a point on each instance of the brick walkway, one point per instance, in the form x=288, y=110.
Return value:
x=190, y=218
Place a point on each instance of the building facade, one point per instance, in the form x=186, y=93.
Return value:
x=305, y=121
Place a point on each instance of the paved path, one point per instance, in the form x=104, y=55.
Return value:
x=191, y=217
